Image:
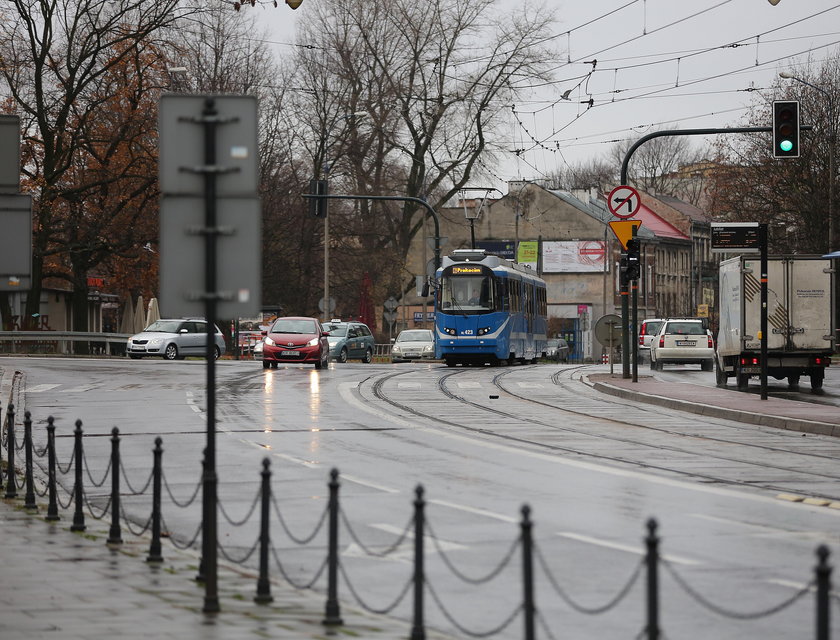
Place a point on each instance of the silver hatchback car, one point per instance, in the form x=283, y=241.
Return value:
x=174, y=340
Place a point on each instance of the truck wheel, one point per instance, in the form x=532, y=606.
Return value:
x=793, y=383
x=817, y=382
x=743, y=380
x=720, y=375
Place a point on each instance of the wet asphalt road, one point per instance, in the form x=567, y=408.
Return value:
x=743, y=549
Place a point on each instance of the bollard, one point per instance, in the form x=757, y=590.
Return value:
x=154, y=547
x=52, y=508
x=823, y=575
x=200, y=577
x=2, y=433
x=263, y=585
x=29, y=498
x=418, y=631
x=528, y=607
x=651, y=561
x=332, y=614
x=114, y=533
x=11, y=487
x=78, y=491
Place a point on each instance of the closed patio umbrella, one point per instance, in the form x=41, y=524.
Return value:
x=153, y=314
x=139, y=315
x=127, y=320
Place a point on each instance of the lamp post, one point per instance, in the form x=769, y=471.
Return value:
x=832, y=140
x=356, y=114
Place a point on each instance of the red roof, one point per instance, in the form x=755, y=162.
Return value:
x=657, y=225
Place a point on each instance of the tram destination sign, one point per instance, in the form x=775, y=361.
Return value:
x=735, y=237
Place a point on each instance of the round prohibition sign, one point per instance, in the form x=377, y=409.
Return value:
x=624, y=202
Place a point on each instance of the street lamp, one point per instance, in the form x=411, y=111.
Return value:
x=832, y=138
x=349, y=116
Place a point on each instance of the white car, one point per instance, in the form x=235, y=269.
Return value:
x=682, y=341
x=648, y=329
x=413, y=344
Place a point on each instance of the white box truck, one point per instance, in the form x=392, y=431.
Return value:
x=800, y=320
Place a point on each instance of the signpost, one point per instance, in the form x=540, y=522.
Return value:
x=210, y=246
x=624, y=202
x=608, y=331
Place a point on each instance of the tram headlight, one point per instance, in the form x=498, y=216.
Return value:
x=483, y=331
x=450, y=331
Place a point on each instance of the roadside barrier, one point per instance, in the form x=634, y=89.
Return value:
x=334, y=521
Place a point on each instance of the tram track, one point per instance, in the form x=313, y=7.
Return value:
x=563, y=415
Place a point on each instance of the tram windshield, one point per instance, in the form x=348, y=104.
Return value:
x=466, y=293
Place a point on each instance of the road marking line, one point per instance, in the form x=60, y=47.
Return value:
x=366, y=483
x=77, y=389
x=624, y=547
x=469, y=385
x=41, y=388
x=408, y=385
x=480, y=512
x=531, y=385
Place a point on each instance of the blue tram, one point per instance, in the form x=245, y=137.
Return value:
x=488, y=310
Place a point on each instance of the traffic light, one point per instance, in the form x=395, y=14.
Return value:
x=318, y=206
x=633, y=270
x=785, y=129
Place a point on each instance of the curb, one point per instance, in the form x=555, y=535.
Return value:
x=760, y=419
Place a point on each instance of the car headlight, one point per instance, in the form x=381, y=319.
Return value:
x=269, y=342
x=428, y=348
x=396, y=350
x=313, y=342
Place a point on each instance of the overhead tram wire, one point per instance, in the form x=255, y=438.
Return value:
x=741, y=42
x=671, y=86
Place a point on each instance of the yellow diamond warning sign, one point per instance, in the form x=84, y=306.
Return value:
x=623, y=230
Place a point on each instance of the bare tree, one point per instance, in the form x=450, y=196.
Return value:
x=57, y=59
x=432, y=79
x=791, y=195
x=654, y=164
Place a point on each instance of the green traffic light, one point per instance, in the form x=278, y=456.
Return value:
x=786, y=145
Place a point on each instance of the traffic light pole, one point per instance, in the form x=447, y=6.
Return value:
x=625, y=311
x=425, y=204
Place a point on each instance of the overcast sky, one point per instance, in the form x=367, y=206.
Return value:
x=660, y=64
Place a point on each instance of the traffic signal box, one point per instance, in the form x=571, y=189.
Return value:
x=633, y=269
x=785, y=129
x=318, y=206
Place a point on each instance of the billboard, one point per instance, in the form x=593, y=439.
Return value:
x=573, y=256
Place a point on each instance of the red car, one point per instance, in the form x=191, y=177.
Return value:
x=295, y=339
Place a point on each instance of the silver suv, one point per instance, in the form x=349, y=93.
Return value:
x=174, y=340
x=682, y=341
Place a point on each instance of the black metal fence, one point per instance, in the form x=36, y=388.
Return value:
x=334, y=522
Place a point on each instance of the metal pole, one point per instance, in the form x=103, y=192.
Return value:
x=11, y=487
x=78, y=491
x=263, y=595
x=651, y=561
x=52, y=508
x=209, y=533
x=29, y=499
x=823, y=579
x=528, y=606
x=625, y=322
x=155, y=554
x=762, y=243
x=333, y=609
x=114, y=533
x=418, y=630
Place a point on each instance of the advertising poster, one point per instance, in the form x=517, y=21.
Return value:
x=573, y=256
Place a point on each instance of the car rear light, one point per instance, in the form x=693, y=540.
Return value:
x=750, y=361
x=822, y=360
x=661, y=341
x=711, y=343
